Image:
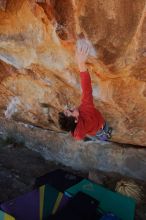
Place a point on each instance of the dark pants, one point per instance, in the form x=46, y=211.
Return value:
x=104, y=134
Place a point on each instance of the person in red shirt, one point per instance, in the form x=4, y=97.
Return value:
x=85, y=122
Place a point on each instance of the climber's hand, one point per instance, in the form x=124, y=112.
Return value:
x=82, y=52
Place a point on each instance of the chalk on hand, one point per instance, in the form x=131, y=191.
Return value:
x=82, y=41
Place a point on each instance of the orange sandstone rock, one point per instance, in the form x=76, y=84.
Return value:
x=37, y=44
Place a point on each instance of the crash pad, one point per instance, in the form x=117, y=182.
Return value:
x=122, y=206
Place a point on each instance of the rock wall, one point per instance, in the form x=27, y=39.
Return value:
x=83, y=156
x=38, y=73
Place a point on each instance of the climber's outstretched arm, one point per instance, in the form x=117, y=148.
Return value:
x=82, y=53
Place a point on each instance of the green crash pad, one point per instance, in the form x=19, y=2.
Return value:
x=50, y=199
x=5, y=216
x=122, y=206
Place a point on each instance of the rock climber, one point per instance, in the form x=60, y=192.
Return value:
x=84, y=122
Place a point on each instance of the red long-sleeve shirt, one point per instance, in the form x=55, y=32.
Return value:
x=90, y=119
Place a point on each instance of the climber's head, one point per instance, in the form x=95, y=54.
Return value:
x=68, y=119
x=74, y=112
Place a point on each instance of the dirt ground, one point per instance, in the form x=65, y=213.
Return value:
x=20, y=166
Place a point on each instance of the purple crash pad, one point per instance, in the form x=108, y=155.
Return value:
x=24, y=207
x=36, y=205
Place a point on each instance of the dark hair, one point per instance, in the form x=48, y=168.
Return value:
x=66, y=123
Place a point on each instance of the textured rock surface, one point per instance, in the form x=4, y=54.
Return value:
x=39, y=75
x=59, y=147
x=19, y=168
